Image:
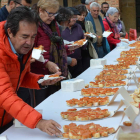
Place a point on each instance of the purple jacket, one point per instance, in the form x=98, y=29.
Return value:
x=76, y=33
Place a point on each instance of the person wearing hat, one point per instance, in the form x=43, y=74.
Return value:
x=74, y=32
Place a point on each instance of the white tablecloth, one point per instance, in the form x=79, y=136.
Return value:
x=56, y=103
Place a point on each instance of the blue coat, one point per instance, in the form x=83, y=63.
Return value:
x=106, y=46
x=3, y=13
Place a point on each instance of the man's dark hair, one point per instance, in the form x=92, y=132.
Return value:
x=104, y=3
x=34, y=7
x=82, y=9
x=18, y=14
x=19, y=1
x=83, y=1
x=64, y=14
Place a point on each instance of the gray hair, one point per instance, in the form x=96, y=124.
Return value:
x=94, y=4
x=89, y=1
x=112, y=11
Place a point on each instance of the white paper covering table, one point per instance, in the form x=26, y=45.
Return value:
x=56, y=103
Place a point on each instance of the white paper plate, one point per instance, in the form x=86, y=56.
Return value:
x=68, y=42
x=46, y=77
x=91, y=35
x=106, y=34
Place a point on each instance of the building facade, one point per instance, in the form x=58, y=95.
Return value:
x=130, y=10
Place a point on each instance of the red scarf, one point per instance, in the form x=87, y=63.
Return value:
x=116, y=31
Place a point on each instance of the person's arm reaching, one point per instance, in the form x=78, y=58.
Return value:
x=14, y=105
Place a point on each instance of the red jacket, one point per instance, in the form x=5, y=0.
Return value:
x=43, y=39
x=11, y=106
x=111, y=40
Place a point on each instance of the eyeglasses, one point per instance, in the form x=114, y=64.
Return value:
x=18, y=3
x=51, y=14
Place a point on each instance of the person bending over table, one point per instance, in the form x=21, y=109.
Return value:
x=16, y=43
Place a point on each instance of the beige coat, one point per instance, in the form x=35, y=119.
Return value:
x=92, y=51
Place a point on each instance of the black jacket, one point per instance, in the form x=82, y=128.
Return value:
x=3, y=13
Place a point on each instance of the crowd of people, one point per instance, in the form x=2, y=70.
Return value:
x=48, y=24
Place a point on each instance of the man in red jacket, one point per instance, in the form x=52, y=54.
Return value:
x=16, y=42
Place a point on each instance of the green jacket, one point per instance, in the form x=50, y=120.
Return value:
x=92, y=51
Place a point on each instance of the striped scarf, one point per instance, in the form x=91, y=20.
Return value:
x=58, y=53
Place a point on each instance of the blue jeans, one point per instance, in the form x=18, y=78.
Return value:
x=100, y=51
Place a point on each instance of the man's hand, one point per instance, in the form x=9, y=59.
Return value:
x=138, y=39
x=52, y=82
x=52, y=67
x=49, y=126
x=74, y=47
x=32, y=60
x=73, y=62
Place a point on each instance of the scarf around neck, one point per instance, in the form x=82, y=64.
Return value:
x=119, y=25
x=58, y=53
x=114, y=27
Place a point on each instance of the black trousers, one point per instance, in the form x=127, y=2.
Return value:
x=86, y=59
x=76, y=70
x=42, y=94
x=4, y=128
x=24, y=94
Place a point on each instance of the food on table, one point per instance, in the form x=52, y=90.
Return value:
x=131, y=52
x=130, y=55
x=127, y=59
x=99, y=91
x=136, y=44
x=117, y=66
x=129, y=62
x=108, y=83
x=135, y=49
x=110, y=77
x=85, y=114
x=136, y=97
x=113, y=72
x=88, y=101
x=127, y=123
x=40, y=47
x=91, y=130
x=87, y=86
x=79, y=42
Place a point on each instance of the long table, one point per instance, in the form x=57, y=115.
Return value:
x=56, y=103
